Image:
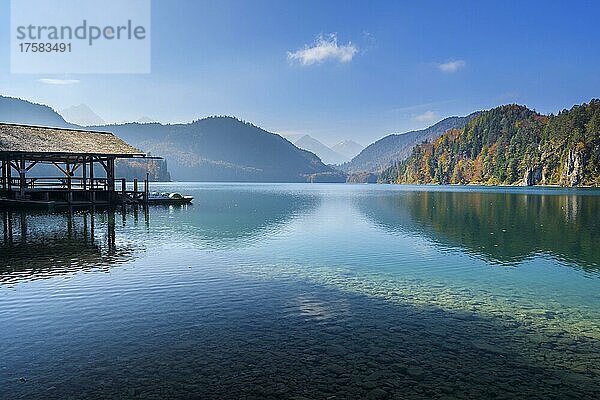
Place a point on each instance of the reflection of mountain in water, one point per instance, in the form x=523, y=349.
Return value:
x=502, y=227
x=226, y=216
x=35, y=246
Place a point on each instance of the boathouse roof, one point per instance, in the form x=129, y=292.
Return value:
x=30, y=139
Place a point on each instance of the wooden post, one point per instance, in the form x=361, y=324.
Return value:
x=135, y=196
x=146, y=189
x=4, y=175
x=22, y=178
x=9, y=178
x=110, y=176
x=84, y=172
x=69, y=192
x=93, y=194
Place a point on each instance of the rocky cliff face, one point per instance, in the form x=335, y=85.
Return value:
x=572, y=168
x=511, y=145
x=533, y=176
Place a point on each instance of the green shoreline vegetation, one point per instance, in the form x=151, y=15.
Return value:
x=510, y=145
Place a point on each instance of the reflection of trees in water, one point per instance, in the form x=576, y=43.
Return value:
x=38, y=245
x=228, y=217
x=503, y=227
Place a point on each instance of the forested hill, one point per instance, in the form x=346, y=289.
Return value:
x=510, y=145
x=210, y=149
x=18, y=111
x=224, y=149
x=383, y=153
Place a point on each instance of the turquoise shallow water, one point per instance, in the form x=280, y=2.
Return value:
x=307, y=291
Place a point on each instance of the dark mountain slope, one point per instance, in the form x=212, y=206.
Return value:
x=392, y=148
x=211, y=149
x=226, y=149
x=19, y=111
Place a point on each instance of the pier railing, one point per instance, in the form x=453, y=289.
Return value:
x=120, y=189
x=74, y=183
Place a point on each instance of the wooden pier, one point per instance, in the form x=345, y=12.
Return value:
x=84, y=162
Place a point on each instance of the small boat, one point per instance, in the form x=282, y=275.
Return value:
x=166, y=198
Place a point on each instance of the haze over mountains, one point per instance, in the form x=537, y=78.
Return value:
x=507, y=145
x=211, y=149
x=348, y=149
x=395, y=147
x=342, y=152
x=335, y=155
x=24, y=112
x=326, y=154
x=226, y=149
x=19, y=111
x=82, y=115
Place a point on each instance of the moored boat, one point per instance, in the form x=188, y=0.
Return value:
x=166, y=198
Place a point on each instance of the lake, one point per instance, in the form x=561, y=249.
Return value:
x=306, y=291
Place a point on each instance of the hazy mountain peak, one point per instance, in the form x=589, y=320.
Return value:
x=144, y=119
x=348, y=148
x=223, y=148
x=326, y=154
x=82, y=114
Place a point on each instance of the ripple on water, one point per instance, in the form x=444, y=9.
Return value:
x=302, y=292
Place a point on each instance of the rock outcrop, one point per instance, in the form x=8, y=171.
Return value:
x=533, y=176
x=572, y=168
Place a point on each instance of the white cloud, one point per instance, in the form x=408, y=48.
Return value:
x=452, y=66
x=325, y=48
x=50, y=81
x=426, y=116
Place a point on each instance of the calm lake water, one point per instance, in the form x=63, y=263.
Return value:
x=306, y=292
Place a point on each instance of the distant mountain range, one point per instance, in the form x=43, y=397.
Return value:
x=19, y=111
x=338, y=154
x=386, y=151
x=226, y=149
x=326, y=154
x=506, y=145
x=82, y=115
x=210, y=149
x=348, y=149
x=24, y=112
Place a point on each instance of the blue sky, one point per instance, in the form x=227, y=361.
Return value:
x=340, y=69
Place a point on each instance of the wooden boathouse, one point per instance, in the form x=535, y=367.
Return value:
x=83, y=163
